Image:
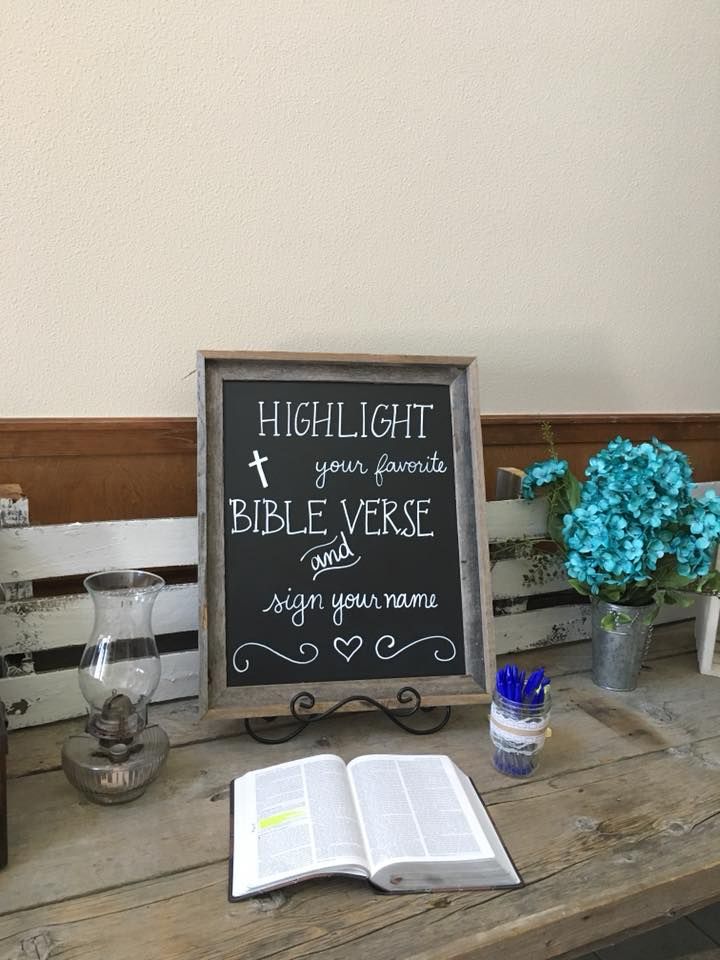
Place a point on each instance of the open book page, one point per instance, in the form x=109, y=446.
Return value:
x=503, y=870
x=292, y=820
x=416, y=809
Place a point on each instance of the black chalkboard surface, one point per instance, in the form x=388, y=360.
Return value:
x=341, y=552
x=342, y=542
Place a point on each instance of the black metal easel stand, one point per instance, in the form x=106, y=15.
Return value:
x=408, y=697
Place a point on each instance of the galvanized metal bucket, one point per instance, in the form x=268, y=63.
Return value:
x=617, y=654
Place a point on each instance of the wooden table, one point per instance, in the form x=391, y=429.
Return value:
x=620, y=829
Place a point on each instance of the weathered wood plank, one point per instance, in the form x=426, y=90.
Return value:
x=51, y=622
x=63, y=550
x=52, y=696
x=542, y=628
x=520, y=577
x=37, y=698
x=178, y=824
x=14, y=512
x=593, y=865
x=34, y=749
x=670, y=640
x=37, y=749
x=548, y=626
x=45, y=623
x=508, y=483
x=517, y=519
x=707, y=626
x=587, y=902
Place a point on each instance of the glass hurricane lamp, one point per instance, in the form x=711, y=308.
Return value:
x=119, y=754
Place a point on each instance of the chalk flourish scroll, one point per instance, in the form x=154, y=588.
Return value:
x=307, y=650
x=385, y=647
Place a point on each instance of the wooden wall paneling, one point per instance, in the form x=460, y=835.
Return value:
x=515, y=440
x=124, y=469
x=123, y=487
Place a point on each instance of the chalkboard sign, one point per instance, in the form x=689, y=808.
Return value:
x=342, y=548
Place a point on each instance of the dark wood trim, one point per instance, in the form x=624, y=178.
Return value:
x=86, y=437
x=73, y=437
x=509, y=429
x=125, y=468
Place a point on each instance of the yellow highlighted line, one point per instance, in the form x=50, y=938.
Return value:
x=276, y=818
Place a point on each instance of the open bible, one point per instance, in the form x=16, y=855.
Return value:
x=403, y=822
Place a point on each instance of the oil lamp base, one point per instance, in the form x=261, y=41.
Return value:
x=107, y=772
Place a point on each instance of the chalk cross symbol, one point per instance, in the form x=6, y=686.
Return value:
x=258, y=461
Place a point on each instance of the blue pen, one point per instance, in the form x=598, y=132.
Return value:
x=512, y=684
x=533, y=685
x=522, y=694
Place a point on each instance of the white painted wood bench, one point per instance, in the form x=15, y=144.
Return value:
x=532, y=605
x=37, y=625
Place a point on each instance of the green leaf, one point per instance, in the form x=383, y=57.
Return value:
x=555, y=528
x=615, y=619
x=671, y=579
x=581, y=587
x=681, y=599
x=612, y=594
x=710, y=583
x=573, y=490
x=652, y=613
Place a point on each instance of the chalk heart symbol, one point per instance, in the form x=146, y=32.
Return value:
x=347, y=648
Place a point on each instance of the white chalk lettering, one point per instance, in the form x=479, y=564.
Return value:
x=267, y=517
x=238, y=508
x=336, y=555
x=410, y=601
x=343, y=602
x=301, y=422
x=322, y=469
x=340, y=433
x=373, y=517
x=295, y=604
x=330, y=418
x=431, y=464
x=273, y=419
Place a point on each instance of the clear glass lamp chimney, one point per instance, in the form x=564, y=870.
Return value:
x=119, y=754
x=121, y=658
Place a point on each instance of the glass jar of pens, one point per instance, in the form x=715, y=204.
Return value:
x=519, y=718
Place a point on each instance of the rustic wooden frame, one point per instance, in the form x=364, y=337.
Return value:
x=217, y=699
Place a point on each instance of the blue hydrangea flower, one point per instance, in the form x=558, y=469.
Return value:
x=636, y=508
x=694, y=544
x=540, y=474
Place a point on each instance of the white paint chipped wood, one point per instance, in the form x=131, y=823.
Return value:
x=549, y=626
x=706, y=635
x=528, y=577
x=69, y=549
x=708, y=613
x=14, y=512
x=45, y=697
x=516, y=519
x=47, y=623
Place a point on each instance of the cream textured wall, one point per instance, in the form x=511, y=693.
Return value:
x=536, y=183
